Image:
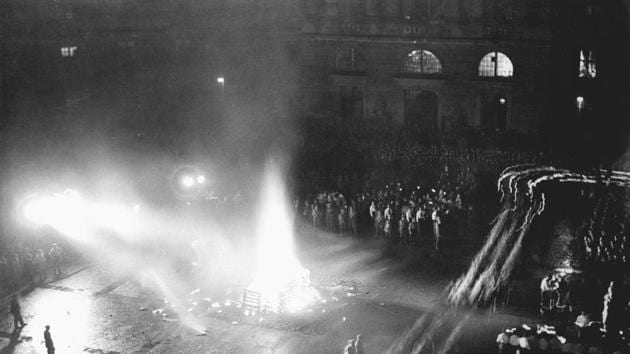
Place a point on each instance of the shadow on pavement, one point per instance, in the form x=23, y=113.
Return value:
x=14, y=340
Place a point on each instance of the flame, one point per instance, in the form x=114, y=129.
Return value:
x=280, y=279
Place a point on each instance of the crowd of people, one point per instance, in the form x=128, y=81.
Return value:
x=359, y=158
x=345, y=186
x=439, y=182
x=574, y=323
x=545, y=339
x=437, y=185
x=23, y=263
x=577, y=310
x=605, y=239
x=407, y=215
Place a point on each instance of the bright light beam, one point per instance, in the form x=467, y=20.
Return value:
x=65, y=212
x=74, y=216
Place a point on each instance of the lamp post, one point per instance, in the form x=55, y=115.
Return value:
x=579, y=101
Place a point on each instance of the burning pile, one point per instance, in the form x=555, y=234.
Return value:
x=280, y=283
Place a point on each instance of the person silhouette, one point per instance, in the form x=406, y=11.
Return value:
x=16, y=311
x=55, y=254
x=50, y=347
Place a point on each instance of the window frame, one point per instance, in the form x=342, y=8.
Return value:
x=353, y=57
x=426, y=57
x=495, y=58
x=587, y=62
x=69, y=51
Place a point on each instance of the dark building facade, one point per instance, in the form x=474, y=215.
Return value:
x=434, y=64
x=442, y=64
x=62, y=56
x=589, y=107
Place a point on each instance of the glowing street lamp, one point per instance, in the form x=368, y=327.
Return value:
x=221, y=81
x=580, y=103
x=188, y=181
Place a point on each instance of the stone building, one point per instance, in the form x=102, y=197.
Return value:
x=436, y=64
x=440, y=64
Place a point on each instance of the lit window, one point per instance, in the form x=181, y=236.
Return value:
x=588, y=10
x=422, y=62
x=68, y=51
x=496, y=64
x=588, y=64
x=350, y=60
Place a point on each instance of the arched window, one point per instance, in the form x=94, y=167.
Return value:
x=588, y=64
x=422, y=62
x=350, y=60
x=496, y=64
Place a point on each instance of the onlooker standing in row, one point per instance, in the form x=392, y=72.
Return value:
x=352, y=219
x=435, y=216
x=55, y=255
x=16, y=311
x=39, y=265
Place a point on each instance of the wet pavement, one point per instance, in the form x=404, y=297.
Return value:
x=97, y=311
